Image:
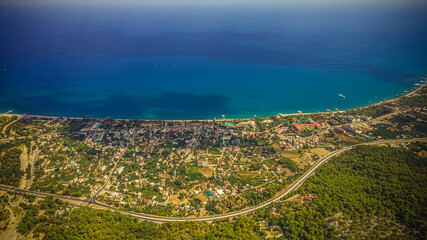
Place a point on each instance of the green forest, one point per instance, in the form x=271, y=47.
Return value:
x=10, y=167
x=366, y=193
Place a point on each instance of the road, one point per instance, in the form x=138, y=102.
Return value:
x=109, y=177
x=160, y=219
x=35, y=156
x=20, y=117
x=92, y=199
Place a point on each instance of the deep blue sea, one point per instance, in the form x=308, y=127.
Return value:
x=199, y=62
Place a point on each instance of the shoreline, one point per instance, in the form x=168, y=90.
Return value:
x=408, y=94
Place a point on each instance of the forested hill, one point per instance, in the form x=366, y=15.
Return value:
x=370, y=192
x=367, y=193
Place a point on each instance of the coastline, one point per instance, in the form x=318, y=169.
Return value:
x=405, y=94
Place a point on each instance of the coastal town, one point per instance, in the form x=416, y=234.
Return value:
x=212, y=120
x=190, y=168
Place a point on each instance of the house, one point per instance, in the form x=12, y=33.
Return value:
x=350, y=119
x=316, y=125
x=230, y=139
x=308, y=199
x=250, y=124
x=365, y=117
x=340, y=130
x=349, y=128
x=410, y=116
x=281, y=130
x=296, y=127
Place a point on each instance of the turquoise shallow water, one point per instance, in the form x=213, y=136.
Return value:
x=199, y=63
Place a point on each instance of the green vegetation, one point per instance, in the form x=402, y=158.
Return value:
x=77, y=190
x=384, y=131
x=214, y=151
x=29, y=220
x=3, y=122
x=419, y=100
x=10, y=167
x=373, y=111
x=212, y=207
x=368, y=193
x=411, y=124
x=87, y=223
x=289, y=164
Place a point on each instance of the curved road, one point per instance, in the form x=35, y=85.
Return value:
x=155, y=218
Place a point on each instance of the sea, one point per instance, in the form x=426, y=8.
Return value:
x=201, y=61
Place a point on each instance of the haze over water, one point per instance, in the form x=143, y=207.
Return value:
x=198, y=62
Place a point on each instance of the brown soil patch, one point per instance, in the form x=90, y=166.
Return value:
x=258, y=150
x=274, y=234
x=24, y=163
x=423, y=153
x=175, y=200
x=295, y=156
x=301, y=163
x=286, y=172
x=295, y=199
x=290, y=154
x=345, y=138
x=321, y=152
x=207, y=171
x=278, y=149
x=203, y=197
x=248, y=174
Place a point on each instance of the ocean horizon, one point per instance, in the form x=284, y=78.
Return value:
x=199, y=62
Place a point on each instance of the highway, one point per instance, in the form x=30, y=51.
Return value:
x=161, y=219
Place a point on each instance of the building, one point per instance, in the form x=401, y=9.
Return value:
x=281, y=130
x=340, y=130
x=349, y=128
x=351, y=119
x=410, y=116
x=230, y=140
x=365, y=117
x=220, y=192
x=296, y=127
x=316, y=125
